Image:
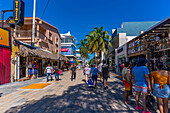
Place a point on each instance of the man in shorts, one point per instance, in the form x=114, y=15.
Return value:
x=94, y=72
x=106, y=75
x=87, y=72
x=140, y=74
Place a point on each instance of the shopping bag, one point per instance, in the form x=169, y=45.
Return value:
x=59, y=72
x=151, y=102
x=90, y=82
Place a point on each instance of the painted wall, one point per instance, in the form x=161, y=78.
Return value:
x=5, y=67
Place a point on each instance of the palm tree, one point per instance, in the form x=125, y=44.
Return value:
x=83, y=50
x=98, y=41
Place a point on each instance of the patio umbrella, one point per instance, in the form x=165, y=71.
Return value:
x=73, y=62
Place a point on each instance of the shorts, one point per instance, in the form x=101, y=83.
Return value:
x=127, y=85
x=87, y=75
x=94, y=77
x=141, y=89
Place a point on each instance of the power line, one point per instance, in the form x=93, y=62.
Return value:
x=45, y=8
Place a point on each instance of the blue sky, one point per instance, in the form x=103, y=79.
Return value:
x=81, y=16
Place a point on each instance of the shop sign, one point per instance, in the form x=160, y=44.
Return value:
x=4, y=38
x=18, y=14
x=120, y=50
x=64, y=49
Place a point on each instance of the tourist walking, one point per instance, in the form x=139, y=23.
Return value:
x=94, y=72
x=56, y=71
x=126, y=81
x=142, y=81
x=48, y=71
x=87, y=72
x=100, y=71
x=73, y=72
x=160, y=81
x=106, y=74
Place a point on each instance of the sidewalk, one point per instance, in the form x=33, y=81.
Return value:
x=68, y=96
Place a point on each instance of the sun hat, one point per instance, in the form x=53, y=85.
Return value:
x=87, y=65
x=141, y=62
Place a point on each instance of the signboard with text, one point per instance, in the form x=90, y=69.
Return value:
x=5, y=38
x=64, y=49
x=18, y=14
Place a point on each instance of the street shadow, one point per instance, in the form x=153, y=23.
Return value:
x=78, y=99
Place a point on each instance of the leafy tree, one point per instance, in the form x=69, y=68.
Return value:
x=98, y=41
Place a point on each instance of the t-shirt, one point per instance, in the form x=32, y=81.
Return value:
x=100, y=67
x=125, y=71
x=105, y=71
x=139, y=73
x=87, y=70
x=73, y=69
x=94, y=71
x=56, y=70
x=48, y=69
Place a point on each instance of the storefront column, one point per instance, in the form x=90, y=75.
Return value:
x=26, y=66
x=17, y=69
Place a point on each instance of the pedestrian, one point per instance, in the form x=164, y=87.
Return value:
x=87, y=72
x=106, y=74
x=132, y=65
x=94, y=72
x=48, y=71
x=56, y=73
x=100, y=71
x=126, y=81
x=160, y=81
x=73, y=72
x=140, y=74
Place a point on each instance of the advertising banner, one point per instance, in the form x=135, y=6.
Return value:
x=64, y=49
x=5, y=38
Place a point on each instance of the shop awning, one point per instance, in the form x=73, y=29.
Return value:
x=25, y=51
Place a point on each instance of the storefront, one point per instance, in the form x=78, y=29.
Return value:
x=154, y=45
x=120, y=56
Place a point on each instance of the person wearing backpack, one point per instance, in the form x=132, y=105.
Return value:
x=106, y=74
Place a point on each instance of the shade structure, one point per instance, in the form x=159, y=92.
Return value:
x=73, y=62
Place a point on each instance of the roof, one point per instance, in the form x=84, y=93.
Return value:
x=158, y=28
x=133, y=28
x=28, y=50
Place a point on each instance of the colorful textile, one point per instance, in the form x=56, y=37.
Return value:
x=141, y=89
x=139, y=73
x=162, y=93
x=127, y=85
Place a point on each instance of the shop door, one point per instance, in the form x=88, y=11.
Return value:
x=22, y=67
x=5, y=69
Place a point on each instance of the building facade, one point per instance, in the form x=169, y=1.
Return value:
x=26, y=60
x=120, y=36
x=68, y=47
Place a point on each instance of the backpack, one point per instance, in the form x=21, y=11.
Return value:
x=151, y=102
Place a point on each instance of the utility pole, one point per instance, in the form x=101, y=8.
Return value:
x=33, y=25
x=58, y=64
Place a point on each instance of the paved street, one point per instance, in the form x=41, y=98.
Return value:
x=66, y=96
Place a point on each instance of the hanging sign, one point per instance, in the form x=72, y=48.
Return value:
x=18, y=14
